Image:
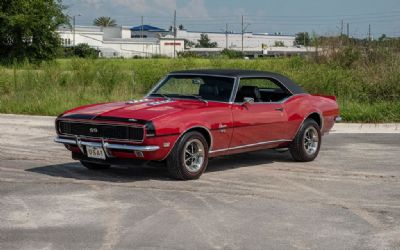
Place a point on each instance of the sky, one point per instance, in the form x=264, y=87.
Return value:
x=323, y=17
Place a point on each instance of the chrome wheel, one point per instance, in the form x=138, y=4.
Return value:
x=194, y=155
x=311, y=140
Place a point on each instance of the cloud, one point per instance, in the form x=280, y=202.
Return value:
x=194, y=8
x=146, y=7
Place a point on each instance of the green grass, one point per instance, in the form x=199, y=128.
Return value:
x=366, y=93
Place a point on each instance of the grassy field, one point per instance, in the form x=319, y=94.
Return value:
x=366, y=93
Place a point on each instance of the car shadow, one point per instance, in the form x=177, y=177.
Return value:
x=247, y=160
x=122, y=174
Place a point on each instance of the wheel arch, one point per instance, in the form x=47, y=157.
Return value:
x=317, y=117
x=197, y=128
x=314, y=115
x=202, y=130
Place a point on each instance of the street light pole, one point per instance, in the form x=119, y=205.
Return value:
x=73, y=31
x=73, y=28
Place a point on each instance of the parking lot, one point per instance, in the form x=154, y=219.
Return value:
x=349, y=197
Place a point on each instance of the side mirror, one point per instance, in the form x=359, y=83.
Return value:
x=248, y=100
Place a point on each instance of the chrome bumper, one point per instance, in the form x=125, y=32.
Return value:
x=105, y=145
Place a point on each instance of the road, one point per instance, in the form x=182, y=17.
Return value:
x=348, y=198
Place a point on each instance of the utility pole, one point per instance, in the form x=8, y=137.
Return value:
x=73, y=28
x=341, y=28
x=226, y=35
x=242, y=32
x=141, y=36
x=174, y=33
x=73, y=31
x=141, y=29
x=369, y=32
x=348, y=30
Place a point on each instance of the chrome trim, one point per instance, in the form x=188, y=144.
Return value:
x=235, y=91
x=106, y=145
x=102, y=123
x=249, y=145
x=78, y=143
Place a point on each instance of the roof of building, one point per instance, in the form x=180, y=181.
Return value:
x=289, y=84
x=147, y=28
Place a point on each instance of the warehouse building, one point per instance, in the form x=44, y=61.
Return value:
x=148, y=41
x=233, y=40
x=123, y=41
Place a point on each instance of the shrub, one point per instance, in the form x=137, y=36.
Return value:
x=232, y=53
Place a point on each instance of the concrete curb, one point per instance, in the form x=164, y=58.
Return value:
x=339, y=128
x=366, y=128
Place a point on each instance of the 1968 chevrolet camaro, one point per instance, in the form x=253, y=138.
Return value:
x=190, y=116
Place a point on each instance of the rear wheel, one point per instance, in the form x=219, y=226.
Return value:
x=305, y=146
x=94, y=166
x=189, y=157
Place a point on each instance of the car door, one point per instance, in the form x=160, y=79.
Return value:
x=261, y=121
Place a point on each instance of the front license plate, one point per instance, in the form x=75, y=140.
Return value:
x=95, y=152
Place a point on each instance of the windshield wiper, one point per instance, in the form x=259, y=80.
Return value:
x=162, y=95
x=195, y=96
x=200, y=98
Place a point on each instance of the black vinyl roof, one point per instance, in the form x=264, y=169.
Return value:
x=288, y=83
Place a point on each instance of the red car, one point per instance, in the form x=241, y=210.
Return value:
x=190, y=116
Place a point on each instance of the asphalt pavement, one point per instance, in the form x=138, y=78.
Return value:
x=348, y=198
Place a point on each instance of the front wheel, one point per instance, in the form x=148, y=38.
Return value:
x=305, y=146
x=189, y=157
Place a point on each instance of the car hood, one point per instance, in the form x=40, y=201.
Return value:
x=148, y=109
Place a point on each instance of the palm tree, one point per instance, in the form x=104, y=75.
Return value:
x=104, y=21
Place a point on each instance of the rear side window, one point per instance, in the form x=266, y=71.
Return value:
x=261, y=90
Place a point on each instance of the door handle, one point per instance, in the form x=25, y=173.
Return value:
x=279, y=109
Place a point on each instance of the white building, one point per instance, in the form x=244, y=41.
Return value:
x=122, y=41
x=234, y=40
x=148, y=41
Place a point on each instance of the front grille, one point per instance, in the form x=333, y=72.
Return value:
x=101, y=131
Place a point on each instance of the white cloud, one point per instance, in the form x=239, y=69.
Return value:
x=194, y=8
x=146, y=7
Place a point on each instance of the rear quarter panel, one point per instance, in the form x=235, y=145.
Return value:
x=299, y=107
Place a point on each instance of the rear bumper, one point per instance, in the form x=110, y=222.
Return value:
x=106, y=145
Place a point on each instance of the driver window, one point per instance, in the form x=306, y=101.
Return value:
x=261, y=90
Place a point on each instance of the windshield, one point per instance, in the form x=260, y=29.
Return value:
x=210, y=88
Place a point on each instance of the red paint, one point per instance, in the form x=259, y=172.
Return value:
x=230, y=125
x=177, y=44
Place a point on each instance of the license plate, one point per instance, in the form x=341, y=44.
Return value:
x=95, y=152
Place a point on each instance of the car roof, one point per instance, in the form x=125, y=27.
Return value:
x=288, y=83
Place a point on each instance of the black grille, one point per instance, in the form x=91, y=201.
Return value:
x=101, y=131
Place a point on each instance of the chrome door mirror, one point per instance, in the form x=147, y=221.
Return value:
x=248, y=100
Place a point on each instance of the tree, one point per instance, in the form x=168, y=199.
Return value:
x=189, y=44
x=28, y=29
x=104, y=21
x=180, y=27
x=279, y=44
x=303, y=38
x=205, y=42
x=382, y=38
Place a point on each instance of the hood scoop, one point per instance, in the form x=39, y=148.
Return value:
x=149, y=102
